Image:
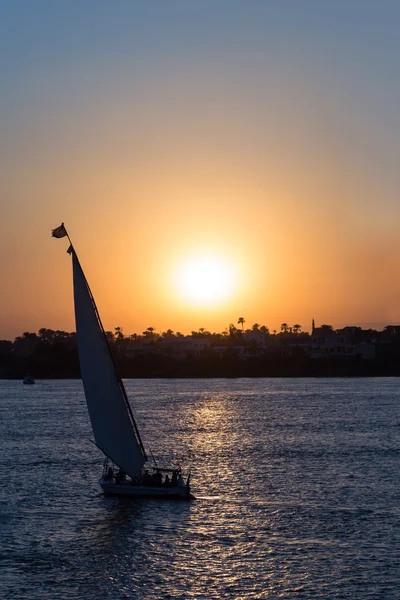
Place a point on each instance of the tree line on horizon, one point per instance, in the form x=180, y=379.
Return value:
x=50, y=336
x=54, y=353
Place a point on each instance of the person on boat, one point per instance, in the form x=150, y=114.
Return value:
x=167, y=480
x=180, y=482
x=110, y=473
x=157, y=478
x=118, y=477
x=146, y=479
x=174, y=478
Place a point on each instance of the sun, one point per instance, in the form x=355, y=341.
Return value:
x=205, y=279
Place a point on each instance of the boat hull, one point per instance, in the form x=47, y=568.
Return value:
x=126, y=489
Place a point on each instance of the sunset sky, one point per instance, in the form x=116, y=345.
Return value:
x=255, y=142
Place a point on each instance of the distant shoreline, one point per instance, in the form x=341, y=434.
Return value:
x=349, y=352
x=227, y=367
x=325, y=375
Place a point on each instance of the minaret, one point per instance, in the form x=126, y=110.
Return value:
x=313, y=327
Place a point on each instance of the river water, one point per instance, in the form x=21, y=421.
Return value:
x=297, y=486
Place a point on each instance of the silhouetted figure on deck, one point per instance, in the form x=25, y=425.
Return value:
x=174, y=478
x=157, y=478
x=146, y=479
x=167, y=480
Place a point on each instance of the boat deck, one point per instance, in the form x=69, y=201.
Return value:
x=162, y=491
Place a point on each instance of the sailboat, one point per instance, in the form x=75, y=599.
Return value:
x=126, y=471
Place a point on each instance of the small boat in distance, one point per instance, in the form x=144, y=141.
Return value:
x=116, y=434
x=28, y=380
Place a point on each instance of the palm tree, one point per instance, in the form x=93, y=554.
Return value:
x=109, y=337
x=232, y=329
x=149, y=333
x=284, y=328
x=255, y=327
x=167, y=335
x=241, y=321
x=118, y=333
x=296, y=328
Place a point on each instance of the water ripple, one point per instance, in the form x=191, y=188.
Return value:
x=296, y=483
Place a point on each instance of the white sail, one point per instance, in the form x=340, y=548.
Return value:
x=113, y=429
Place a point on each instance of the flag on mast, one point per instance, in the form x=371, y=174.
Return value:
x=59, y=232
